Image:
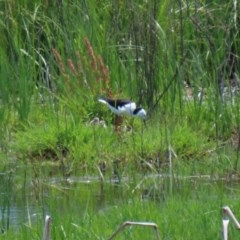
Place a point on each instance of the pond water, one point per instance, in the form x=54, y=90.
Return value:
x=29, y=192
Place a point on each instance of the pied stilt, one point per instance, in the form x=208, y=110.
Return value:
x=119, y=106
x=123, y=107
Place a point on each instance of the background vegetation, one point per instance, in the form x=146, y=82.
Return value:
x=178, y=59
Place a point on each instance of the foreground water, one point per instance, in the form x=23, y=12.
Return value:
x=32, y=191
x=29, y=191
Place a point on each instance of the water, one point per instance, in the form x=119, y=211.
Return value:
x=29, y=192
x=32, y=191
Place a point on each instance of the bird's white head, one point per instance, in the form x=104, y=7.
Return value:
x=140, y=112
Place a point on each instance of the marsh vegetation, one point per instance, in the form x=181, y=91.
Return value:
x=177, y=59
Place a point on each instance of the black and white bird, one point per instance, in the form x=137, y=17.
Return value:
x=123, y=107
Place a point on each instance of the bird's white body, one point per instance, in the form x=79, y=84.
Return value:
x=119, y=108
x=124, y=107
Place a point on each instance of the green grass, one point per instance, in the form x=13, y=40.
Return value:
x=188, y=214
x=57, y=58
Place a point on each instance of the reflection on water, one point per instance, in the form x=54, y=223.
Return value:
x=28, y=193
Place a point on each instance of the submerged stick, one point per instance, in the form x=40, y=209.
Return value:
x=227, y=213
x=225, y=229
x=129, y=223
x=46, y=229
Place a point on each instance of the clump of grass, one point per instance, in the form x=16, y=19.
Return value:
x=43, y=141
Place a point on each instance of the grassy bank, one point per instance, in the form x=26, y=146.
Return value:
x=170, y=58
